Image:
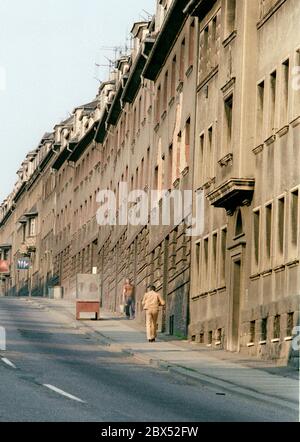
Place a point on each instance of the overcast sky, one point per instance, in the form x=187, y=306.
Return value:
x=48, y=51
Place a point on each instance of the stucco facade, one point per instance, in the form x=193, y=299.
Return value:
x=206, y=101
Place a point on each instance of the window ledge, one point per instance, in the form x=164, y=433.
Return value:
x=185, y=171
x=230, y=38
x=255, y=276
x=258, y=149
x=180, y=87
x=293, y=263
x=288, y=338
x=218, y=343
x=262, y=342
x=279, y=268
x=270, y=140
x=269, y=13
x=251, y=344
x=171, y=102
x=189, y=70
x=284, y=130
x=295, y=122
x=176, y=183
x=163, y=115
x=275, y=340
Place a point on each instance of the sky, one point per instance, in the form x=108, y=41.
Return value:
x=48, y=55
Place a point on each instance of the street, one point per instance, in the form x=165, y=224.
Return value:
x=52, y=371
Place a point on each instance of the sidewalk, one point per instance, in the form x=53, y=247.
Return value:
x=218, y=369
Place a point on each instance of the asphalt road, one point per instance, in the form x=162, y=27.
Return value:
x=59, y=373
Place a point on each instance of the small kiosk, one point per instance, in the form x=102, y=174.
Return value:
x=88, y=295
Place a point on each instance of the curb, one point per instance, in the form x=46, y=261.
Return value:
x=186, y=373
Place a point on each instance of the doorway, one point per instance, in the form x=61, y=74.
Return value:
x=235, y=304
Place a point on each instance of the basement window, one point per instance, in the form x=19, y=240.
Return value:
x=201, y=339
x=264, y=329
x=276, y=330
x=252, y=331
x=171, y=325
x=290, y=324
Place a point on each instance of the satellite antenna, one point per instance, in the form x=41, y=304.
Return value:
x=148, y=14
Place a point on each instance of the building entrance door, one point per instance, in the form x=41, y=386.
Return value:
x=236, y=268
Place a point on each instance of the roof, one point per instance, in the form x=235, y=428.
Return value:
x=165, y=40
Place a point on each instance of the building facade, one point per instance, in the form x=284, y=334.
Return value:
x=245, y=276
x=207, y=101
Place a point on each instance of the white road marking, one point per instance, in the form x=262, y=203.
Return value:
x=63, y=393
x=8, y=362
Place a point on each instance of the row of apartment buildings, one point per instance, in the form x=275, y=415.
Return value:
x=208, y=100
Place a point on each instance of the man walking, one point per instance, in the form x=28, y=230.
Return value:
x=128, y=299
x=151, y=303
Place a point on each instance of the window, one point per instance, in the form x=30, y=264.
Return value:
x=170, y=167
x=139, y=113
x=290, y=324
x=276, y=328
x=214, y=260
x=204, y=57
x=272, y=110
x=173, y=76
x=228, y=122
x=256, y=234
x=178, y=159
x=252, y=331
x=201, y=159
x=210, y=152
x=230, y=16
x=142, y=174
x=166, y=84
x=239, y=224
x=191, y=43
x=158, y=104
x=134, y=123
x=296, y=83
x=210, y=338
x=294, y=218
x=280, y=226
x=147, y=165
x=223, y=255
x=156, y=178
x=264, y=329
x=182, y=60
x=171, y=325
x=285, y=91
x=187, y=141
x=268, y=231
x=260, y=111
x=206, y=269
x=201, y=338
x=32, y=227
x=214, y=41
x=198, y=263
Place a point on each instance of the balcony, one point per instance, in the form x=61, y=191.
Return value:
x=233, y=193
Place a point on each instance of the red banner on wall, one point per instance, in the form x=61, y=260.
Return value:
x=4, y=266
